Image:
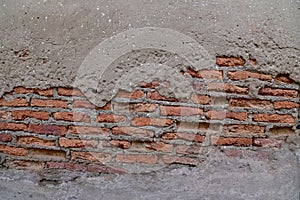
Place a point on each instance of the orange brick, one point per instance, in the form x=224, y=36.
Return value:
x=159, y=146
x=83, y=104
x=285, y=105
x=90, y=156
x=243, y=75
x=206, y=74
x=13, y=126
x=212, y=114
x=278, y=92
x=47, y=129
x=24, y=114
x=262, y=142
x=71, y=116
x=250, y=103
x=12, y=150
x=111, y=118
x=180, y=111
x=77, y=143
x=16, y=102
x=159, y=97
x=69, y=92
x=4, y=115
x=151, y=85
x=282, y=78
x=132, y=131
x=139, y=158
x=253, y=61
x=120, y=144
x=274, y=118
x=29, y=140
x=185, y=149
x=132, y=95
x=42, y=92
x=222, y=141
x=143, y=121
x=230, y=61
x=180, y=160
x=5, y=137
x=89, y=130
x=242, y=129
x=183, y=136
x=228, y=88
x=49, y=103
x=200, y=99
x=100, y=168
x=141, y=107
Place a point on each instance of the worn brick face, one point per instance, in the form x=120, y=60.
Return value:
x=243, y=75
x=230, y=61
x=206, y=74
x=49, y=103
x=285, y=105
x=111, y=118
x=231, y=141
x=71, y=116
x=47, y=129
x=132, y=131
x=278, y=92
x=180, y=111
x=16, y=102
x=30, y=140
x=140, y=158
x=228, y=88
x=250, y=103
x=274, y=118
x=143, y=121
x=24, y=114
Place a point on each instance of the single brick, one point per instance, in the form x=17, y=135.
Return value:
x=196, y=126
x=285, y=105
x=278, y=92
x=47, y=129
x=90, y=156
x=243, y=75
x=224, y=61
x=48, y=154
x=89, y=130
x=206, y=74
x=100, y=168
x=228, y=88
x=15, y=151
x=243, y=129
x=72, y=116
x=24, y=114
x=29, y=140
x=159, y=146
x=120, y=144
x=67, y=166
x=197, y=86
x=190, y=150
x=212, y=114
x=69, y=92
x=25, y=165
x=5, y=137
x=159, y=97
x=13, y=126
x=16, y=102
x=282, y=78
x=83, y=104
x=274, y=118
x=200, y=99
x=180, y=111
x=111, y=118
x=279, y=131
x=132, y=131
x=49, y=103
x=262, y=142
x=42, y=92
x=151, y=85
x=250, y=103
x=222, y=141
x=143, y=121
x=5, y=115
x=139, y=158
x=141, y=107
x=132, y=95
x=180, y=160
x=77, y=143
x=183, y=136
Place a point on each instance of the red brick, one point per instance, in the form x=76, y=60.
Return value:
x=240, y=153
x=132, y=131
x=151, y=85
x=13, y=126
x=42, y=92
x=159, y=97
x=16, y=151
x=180, y=111
x=89, y=130
x=16, y=102
x=230, y=61
x=183, y=136
x=25, y=165
x=180, y=160
x=71, y=116
x=159, y=146
x=83, y=104
x=77, y=143
x=24, y=114
x=49, y=103
x=98, y=168
x=139, y=158
x=250, y=103
x=29, y=140
x=111, y=118
x=222, y=141
x=200, y=99
x=206, y=74
x=212, y=114
x=143, y=121
x=132, y=95
x=228, y=88
x=243, y=75
x=120, y=144
x=69, y=92
x=5, y=137
x=285, y=105
x=242, y=129
x=262, y=142
x=67, y=166
x=90, y=156
x=5, y=115
x=141, y=107
x=274, y=118
x=278, y=92
x=47, y=129
x=282, y=78
x=48, y=154
x=185, y=149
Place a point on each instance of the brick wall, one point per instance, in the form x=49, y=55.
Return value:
x=58, y=128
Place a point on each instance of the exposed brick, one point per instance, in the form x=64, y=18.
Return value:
x=159, y=146
x=25, y=165
x=196, y=126
x=183, y=136
x=67, y=166
x=120, y=144
x=100, y=168
x=200, y=99
x=139, y=158
x=5, y=137
x=250, y=103
x=69, y=92
x=237, y=115
x=132, y=131
x=274, y=118
x=16, y=102
x=212, y=114
x=222, y=141
x=279, y=131
x=243, y=75
x=29, y=140
x=151, y=85
x=89, y=130
x=42, y=92
x=24, y=114
x=90, y=156
x=285, y=105
x=48, y=154
x=141, y=107
x=242, y=129
x=180, y=111
x=159, y=97
x=111, y=118
x=16, y=151
x=185, y=149
x=282, y=78
x=241, y=153
x=230, y=61
x=253, y=61
x=72, y=116
x=262, y=142
x=197, y=86
x=49, y=103
x=132, y=95
x=228, y=88
x=278, y=92
x=180, y=160
x=206, y=74
x=47, y=129
x=83, y=104
x=143, y=121
x=13, y=126
x=77, y=143
x=4, y=115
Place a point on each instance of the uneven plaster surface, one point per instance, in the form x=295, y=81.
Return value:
x=44, y=43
